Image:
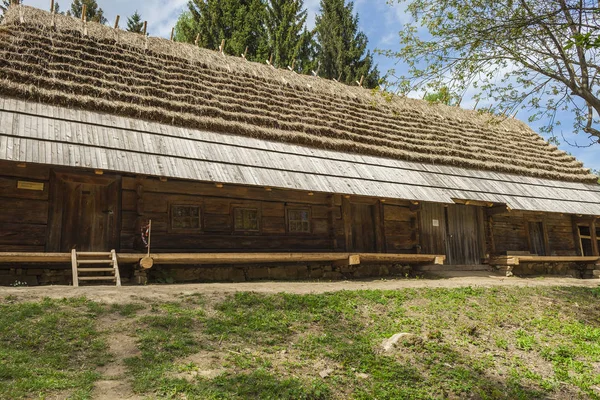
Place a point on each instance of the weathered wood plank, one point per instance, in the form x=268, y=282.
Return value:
x=31, y=171
x=8, y=188
x=24, y=211
x=23, y=234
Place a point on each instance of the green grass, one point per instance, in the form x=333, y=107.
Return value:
x=498, y=343
x=49, y=346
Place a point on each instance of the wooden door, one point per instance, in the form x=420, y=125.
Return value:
x=433, y=229
x=464, y=235
x=85, y=213
x=364, y=236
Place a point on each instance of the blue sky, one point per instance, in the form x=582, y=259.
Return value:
x=378, y=19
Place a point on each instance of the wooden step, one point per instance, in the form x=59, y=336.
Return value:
x=97, y=278
x=96, y=270
x=94, y=254
x=95, y=262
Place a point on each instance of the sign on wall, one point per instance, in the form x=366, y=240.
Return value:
x=30, y=185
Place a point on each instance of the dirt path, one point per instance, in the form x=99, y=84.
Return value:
x=111, y=295
x=115, y=383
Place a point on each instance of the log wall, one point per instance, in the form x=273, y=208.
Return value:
x=144, y=199
x=400, y=227
x=510, y=233
x=24, y=211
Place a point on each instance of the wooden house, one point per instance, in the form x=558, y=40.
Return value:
x=235, y=162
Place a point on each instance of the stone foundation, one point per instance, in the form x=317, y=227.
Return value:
x=289, y=272
x=573, y=269
x=55, y=274
x=33, y=275
x=30, y=275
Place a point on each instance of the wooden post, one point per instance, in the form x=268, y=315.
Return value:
x=222, y=47
x=145, y=27
x=74, y=267
x=83, y=11
x=331, y=222
x=197, y=40
x=172, y=33
x=117, y=22
x=379, y=228
x=362, y=78
x=147, y=262
x=594, y=237
x=52, y=6
x=245, y=53
x=347, y=219
x=149, y=235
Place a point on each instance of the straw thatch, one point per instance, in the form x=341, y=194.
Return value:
x=61, y=60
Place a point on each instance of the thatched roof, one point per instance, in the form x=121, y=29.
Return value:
x=61, y=60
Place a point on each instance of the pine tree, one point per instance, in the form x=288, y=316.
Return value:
x=93, y=12
x=239, y=22
x=341, y=47
x=134, y=23
x=288, y=39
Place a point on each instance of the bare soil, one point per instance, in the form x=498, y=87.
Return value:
x=115, y=384
x=112, y=295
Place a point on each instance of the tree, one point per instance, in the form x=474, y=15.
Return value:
x=135, y=23
x=288, y=39
x=443, y=96
x=341, y=47
x=239, y=22
x=540, y=55
x=92, y=13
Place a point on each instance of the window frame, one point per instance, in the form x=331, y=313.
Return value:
x=199, y=205
x=289, y=208
x=253, y=207
x=592, y=226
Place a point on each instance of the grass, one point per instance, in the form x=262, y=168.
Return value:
x=49, y=346
x=497, y=343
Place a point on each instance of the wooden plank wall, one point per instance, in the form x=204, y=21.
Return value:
x=144, y=199
x=401, y=227
x=510, y=232
x=24, y=215
x=433, y=237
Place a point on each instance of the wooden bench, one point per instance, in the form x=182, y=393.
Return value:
x=510, y=261
x=236, y=258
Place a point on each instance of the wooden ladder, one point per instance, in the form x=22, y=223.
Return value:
x=79, y=259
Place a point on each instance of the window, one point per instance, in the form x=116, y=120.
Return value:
x=585, y=235
x=186, y=217
x=298, y=220
x=246, y=219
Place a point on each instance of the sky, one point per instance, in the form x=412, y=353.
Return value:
x=378, y=19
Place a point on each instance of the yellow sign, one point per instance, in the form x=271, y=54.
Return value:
x=30, y=185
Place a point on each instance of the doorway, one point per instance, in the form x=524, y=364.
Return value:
x=364, y=237
x=85, y=212
x=464, y=235
x=454, y=230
